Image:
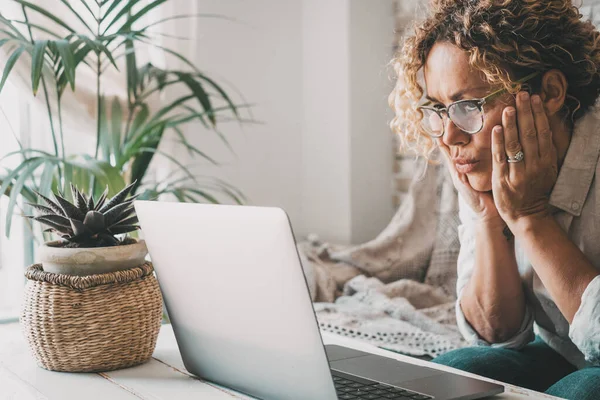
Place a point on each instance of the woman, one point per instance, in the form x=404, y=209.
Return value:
x=511, y=89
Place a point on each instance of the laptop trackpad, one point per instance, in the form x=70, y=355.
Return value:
x=383, y=369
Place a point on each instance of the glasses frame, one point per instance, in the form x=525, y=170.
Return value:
x=479, y=103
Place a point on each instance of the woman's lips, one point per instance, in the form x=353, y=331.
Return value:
x=465, y=166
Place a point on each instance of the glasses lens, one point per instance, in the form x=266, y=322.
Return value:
x=432, y=123
x=467, y=115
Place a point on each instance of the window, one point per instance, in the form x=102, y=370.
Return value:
x=16, y=251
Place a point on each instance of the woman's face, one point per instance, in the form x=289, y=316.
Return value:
x=448, y=78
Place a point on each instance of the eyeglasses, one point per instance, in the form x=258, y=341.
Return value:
x=467, y=115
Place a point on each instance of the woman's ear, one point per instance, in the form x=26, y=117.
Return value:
x=553, y=91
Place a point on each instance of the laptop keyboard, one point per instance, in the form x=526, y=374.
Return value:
x=349, y=387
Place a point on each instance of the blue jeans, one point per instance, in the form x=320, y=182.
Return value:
x=536, y=366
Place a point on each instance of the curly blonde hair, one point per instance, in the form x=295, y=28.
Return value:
x=505, y=39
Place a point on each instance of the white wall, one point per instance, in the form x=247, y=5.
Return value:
x=316, y=72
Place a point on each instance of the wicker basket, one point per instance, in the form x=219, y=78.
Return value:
x=91, y=323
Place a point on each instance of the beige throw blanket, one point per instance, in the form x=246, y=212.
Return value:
x=398, y=290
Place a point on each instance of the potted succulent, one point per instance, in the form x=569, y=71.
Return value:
x=93, y=303
x=88, y=228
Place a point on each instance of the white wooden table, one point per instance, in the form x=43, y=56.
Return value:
x=164, y=377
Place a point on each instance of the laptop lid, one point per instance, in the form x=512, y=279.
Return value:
x=237, y=297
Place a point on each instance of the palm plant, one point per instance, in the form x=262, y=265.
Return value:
x=127, y=135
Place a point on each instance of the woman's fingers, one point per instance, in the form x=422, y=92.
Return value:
x=528, y=135
x=544, y=135
x=512, y=145
x=499, y=162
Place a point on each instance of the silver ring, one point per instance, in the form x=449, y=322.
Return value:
x=517, y=158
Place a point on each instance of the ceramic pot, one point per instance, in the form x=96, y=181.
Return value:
x=90, y=261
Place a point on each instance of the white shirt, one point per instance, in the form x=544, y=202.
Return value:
x=576, y=196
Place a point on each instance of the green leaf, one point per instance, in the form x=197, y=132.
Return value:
x=67, y=176
x=129, y=4
x=221, y=92
x=203, y=194
x=168, y=156
x=169, y=51
x=103, y=171
x=45, y=13
x=39, y=51
x=187, y=16
x=132, y=72
x=4, y=41
x=78, y=15
x=138, y=122
x=36, y=26
x=64, y=49
x=132, y=19
x=16, y=192
x=116, y=123
x=105, y=135
x=192, y=149
x=85, y=4
x=46, y=178
x=7, y=180
x=98, y=47
x=10, y=63
x=199, y=93
x=168, y=108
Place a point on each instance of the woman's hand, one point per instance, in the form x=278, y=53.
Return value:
x=481, y=203
x=521, y=189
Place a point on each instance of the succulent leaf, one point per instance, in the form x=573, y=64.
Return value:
x=101, y=200
x=108, y=238
x=90, y=202
x=94, y=221
x=80, y=201
x=83, y=223
x=57, y=219
x=56, y=226
x=69, y=209
x=113, y=215
x=123, y=229
x=79, y=228
x=42, y=210
x=117, y=198
x=126, y=221
x=55, y=207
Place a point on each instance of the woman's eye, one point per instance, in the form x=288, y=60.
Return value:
x=470, y=107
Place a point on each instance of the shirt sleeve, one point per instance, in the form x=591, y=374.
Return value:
x=466, y=264
x=585, y=328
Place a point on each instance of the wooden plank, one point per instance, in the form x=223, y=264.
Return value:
x=158, y=381
x=21, y=373
x=164, y=377
x=12, y=387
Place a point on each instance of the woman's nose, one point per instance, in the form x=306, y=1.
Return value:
x=453, y=135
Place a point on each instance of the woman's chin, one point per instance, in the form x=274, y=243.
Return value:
x=480, y=183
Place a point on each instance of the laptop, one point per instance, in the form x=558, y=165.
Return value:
x=237, y=298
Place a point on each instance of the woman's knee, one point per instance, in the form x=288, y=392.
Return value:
x=581, y=385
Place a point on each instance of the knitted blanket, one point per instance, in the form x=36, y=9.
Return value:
x=398, y=290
